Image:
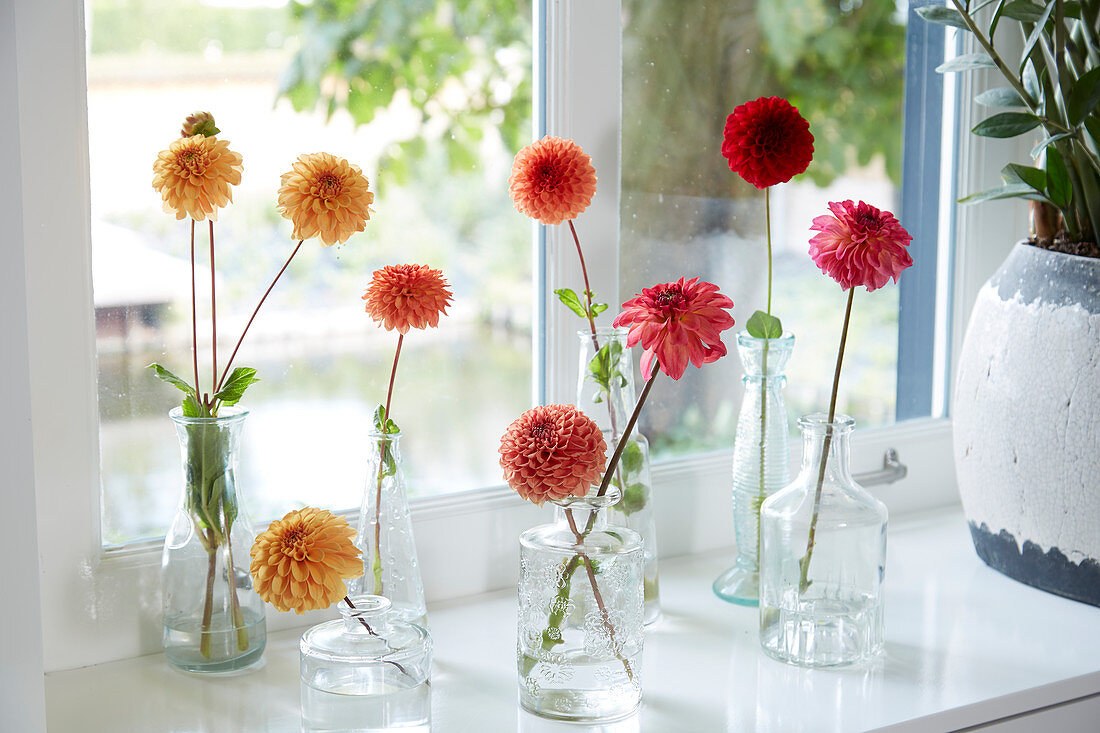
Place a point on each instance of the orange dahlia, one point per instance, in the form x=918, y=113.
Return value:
x=407, y=296
x=551, y=452
x=194, y=176
x=552, y=180
x=325, y=196
x=301, y=561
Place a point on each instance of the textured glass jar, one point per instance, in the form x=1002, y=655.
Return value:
x=367, y=671
x=385, y=534
x=580, y=615
x=213, y=619
x=821, y=580
x=605, y=392
x=761, y=458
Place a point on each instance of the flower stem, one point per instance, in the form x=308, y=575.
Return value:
x=374, y=633
x=194, y=315
x=804, y=563
x=768, y=237
x=253, y=317
x=376, y=566
x=231, y=576
x=213, y=320
x=761, y=494
x=205, y=641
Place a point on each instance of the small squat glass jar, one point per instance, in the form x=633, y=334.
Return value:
x=823, y=558
x=366, y=671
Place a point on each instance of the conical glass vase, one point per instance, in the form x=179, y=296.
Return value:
x=761, y=458
x=823, y=558
x=385, y=534
x=581, y=612
x=213, y=619
x=605, y=392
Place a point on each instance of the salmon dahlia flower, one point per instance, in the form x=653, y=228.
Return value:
x=767, y=141
x=301, y=561
x=325, y=197
x=552, y=180
x=859, y=244
x=194, y=175
x=551, y=452
x=407, y=296
x=677, y=323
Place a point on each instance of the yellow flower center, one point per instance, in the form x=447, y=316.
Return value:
x=193, y=162
x=294, y=542
x=327, y=185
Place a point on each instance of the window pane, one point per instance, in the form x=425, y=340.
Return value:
x=685, y=67
x=432, y=101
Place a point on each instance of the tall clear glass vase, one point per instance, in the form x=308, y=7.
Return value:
x=761, y=463
x=605, y=392
x=823, y=558
x=213, y=620
x=385, y=535
x=580, y=615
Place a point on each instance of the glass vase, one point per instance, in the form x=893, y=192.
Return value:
x=367, y=671
x=385, y=534
x=213, y=619
x=823, y=558
x=605, y=392
x=761, y=462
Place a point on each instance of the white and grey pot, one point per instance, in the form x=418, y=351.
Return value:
x=1027, y=422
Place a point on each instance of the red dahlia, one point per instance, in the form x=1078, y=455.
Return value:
x=767, y=141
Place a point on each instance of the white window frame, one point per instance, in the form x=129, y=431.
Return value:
x=98, y=607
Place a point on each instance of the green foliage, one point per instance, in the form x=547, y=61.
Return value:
x=385, y=426
x=462, y=65
x=234, y=387
x=764, y=326
x=604, y=368
x=230, y=393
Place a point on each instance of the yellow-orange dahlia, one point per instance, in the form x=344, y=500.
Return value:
x=194, y=176
x=552, y=180
x=407, y=296
x=301, y=561
x=326, y=197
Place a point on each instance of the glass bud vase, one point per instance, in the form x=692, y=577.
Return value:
x=385, y=534
x=823, y=558
x=605, y=392
x=581, y=614
x=367, y=671
x=761, y=463
x=213, y=619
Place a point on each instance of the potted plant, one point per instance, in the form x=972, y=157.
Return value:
x=1027, y=400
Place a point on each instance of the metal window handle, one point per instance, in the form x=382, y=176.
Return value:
x=892, y=470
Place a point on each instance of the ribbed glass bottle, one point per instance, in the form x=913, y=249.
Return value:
x=761, y=463
x=605, y=392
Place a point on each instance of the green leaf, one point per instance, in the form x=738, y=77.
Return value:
x=167, y=376
x=634, y=498
x=389, y=428
x=234, y=387
x=604, y=367
x=1085, y=97
x=598, y=308
x=1037, y=32
x=1006, y=124
x=1011, y=190
x=764, y=326
x=632, y=458
x=1034, y=177
x=1092, y=124
x=571, y=300
x=1024, y=10
x=1000, y=97
x=192, y=408
x=943, y=16
x=1052, y=139
x=967, y=62
x=1058, y=189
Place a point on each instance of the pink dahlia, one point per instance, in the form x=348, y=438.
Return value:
x=677, y=323
x=552, y=180
x=767, y=141
x=551, y=452
x=860, y=245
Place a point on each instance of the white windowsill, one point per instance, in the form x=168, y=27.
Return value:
x=965, y=646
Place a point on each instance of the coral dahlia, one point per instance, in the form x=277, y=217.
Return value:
x=301, y=561
x=407, y=296
x=767, y=141
x=551, y=452
x=194, y=175
x=860, y=245
x=552, y=180
x=325, y=197
x=677, y=322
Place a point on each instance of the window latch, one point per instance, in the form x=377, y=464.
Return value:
x=892, y=470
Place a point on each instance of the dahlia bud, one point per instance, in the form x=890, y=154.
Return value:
x=199, y=123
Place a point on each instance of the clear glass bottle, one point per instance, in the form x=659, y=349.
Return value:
x=605, y=392
x=213, y=620
x=823, y=558
x=761, y=463
x=367, y=671
x=581, y=612
x=385, y=535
